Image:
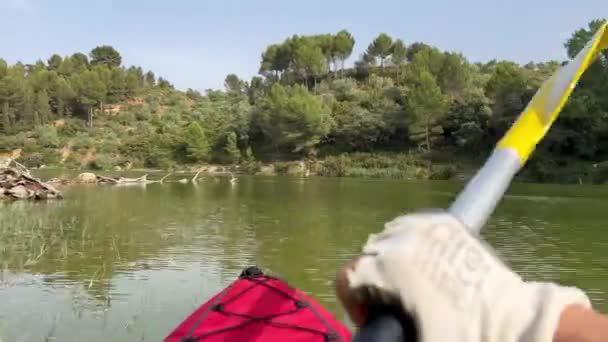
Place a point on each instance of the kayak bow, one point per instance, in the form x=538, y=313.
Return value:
x=258, y=307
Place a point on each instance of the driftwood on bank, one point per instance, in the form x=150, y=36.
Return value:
x=91, y=178
x=88, y=177
x=17, y=183
x=165, y=177
x=122, y=180
x=197, y=173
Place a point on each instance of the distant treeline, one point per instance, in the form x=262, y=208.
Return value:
x=398, y=97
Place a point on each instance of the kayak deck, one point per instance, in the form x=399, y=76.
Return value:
x=258, y=307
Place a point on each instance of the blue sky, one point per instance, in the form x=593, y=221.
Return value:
x=195, y=43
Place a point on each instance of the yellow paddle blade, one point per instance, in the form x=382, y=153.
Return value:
x=545, y=106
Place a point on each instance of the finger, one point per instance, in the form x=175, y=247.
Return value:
x=357, y=311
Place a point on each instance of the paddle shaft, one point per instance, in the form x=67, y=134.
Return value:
x=475, y=204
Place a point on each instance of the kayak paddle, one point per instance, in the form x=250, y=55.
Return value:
x=481, y=195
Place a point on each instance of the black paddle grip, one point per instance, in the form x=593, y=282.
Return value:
x=387, y=324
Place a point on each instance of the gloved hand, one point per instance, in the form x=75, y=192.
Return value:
x=453, y=285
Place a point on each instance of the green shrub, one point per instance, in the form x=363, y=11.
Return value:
x=443, y=172
x=230, y=152
x=73, y=161
x=143, y=114
x=12, y=142
x=102, y=162
x=70, y=128
x=109, y=143
x=51, y=156
x=173, y=99
x=334, y=166
x=167, y=164
x=402, y=166
x=31, y=147
x=390, y=172
x=600, y=173
x=154, y=107
x=172, y=115
x=37, y=159
x=158, y=158
x=541, y=169
x=47, y=136
x=251, y=166
x=281, y=167
x=82, y=142
x=34, y=159
x=249, y=154
x=115, y=127
x=126, y=118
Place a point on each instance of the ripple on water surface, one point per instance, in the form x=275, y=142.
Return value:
x=128, y=264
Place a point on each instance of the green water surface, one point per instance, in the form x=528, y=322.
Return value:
x=129, y=263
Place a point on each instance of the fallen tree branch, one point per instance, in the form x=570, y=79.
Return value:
x=108, y=180
x=163, y=179
x=142, y=179
x=198, y=173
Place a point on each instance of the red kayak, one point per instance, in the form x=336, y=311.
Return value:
x=258, y=307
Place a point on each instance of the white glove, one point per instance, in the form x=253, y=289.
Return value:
x=454, y=287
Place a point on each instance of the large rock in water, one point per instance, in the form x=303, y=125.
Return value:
x=87, y=177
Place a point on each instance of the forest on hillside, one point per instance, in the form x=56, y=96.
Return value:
x=92, y=111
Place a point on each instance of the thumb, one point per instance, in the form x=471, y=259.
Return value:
x=357, y=311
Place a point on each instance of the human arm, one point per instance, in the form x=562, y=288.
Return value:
x=457, y=289
x=580, y=324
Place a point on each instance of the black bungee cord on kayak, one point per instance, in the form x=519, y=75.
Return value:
x=258, y=278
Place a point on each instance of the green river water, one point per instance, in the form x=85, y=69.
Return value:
x=129, y=263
